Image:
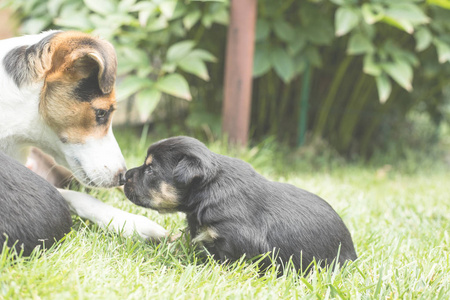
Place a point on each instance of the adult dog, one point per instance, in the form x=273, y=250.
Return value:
x=57, y=93
x=33, y=216
x=235, y=211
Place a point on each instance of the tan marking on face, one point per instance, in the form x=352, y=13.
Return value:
x=76, y=56
x=74, y=120
x=166, y=199
x=149, y=160
x=206, y=235
x=105, y=103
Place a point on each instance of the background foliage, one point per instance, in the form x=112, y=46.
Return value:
x=373, y=63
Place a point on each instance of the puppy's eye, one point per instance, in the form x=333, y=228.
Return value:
x=148, y=170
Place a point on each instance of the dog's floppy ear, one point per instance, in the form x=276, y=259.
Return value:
x=106, y=72
x=103, y=61
x=26, y=64
x=190, y=169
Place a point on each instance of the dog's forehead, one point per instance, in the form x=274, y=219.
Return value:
x=79, y=87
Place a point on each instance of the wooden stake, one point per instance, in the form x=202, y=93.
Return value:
x=238, y=71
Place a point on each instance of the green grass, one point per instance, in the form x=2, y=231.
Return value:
x=399, y=223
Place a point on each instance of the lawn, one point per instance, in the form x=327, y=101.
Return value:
x=399, y=223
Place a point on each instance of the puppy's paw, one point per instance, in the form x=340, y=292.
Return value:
x=129, y=224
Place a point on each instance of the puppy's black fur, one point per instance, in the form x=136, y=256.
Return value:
x=32, y=211
x=233, y=210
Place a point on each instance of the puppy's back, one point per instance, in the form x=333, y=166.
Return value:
x=32, y=212
x=278, y=216
x=313, y=226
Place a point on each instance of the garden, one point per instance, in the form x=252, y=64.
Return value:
x=350, y=101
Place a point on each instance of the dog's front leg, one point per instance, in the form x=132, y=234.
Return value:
x=109, y=217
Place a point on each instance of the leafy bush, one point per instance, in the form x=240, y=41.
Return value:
x=361, y=54
x=370, y=62
x=149, y=36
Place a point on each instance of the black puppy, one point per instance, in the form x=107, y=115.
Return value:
x=32, y=211
x=233, y=210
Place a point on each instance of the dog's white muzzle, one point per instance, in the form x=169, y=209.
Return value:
x=96, y=162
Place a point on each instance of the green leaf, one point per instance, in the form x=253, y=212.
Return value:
x=143, y=17
x=359, y=44
x=158, y=24
x=372, y=12
x=167, y=8
x=221, y=17
x=134, y=56
x=131, y=85
x=406, y=11
x=404, y=25
x=146, y=101
x=54, y=6
x=36, y=25
x=283, y=30
x=319, y=33
x=339, y=2
x=297, y=44
x=191, y=19
x=262, y=30
x=78, y=21
x=442, y=3
x=169, y=67
x=370, y=67
x=102, y=7
x=399, y=54
x=384, y=87
x=144, y=5
x=346, y=19
x=175, y=85
x=126, y=5
x=202, y=54
x=179, y=50
x=261, y=61
x=401, y=72
x=194, y=66
x=423, y=39
x=283, y=64
x=443, y=50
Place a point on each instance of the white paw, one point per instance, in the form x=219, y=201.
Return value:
x=111, y=218
x=128, y=224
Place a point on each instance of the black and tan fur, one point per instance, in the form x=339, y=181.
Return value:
x=233, y=210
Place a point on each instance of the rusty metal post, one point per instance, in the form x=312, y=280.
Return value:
x=238, y=71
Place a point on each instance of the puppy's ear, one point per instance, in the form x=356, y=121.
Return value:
x=190, y=169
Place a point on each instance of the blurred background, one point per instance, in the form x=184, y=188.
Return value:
x=349, y=79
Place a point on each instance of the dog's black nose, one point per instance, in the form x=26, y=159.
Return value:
x=122, y=178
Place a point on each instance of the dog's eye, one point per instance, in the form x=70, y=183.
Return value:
x=101, y=113
x=101, y=116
